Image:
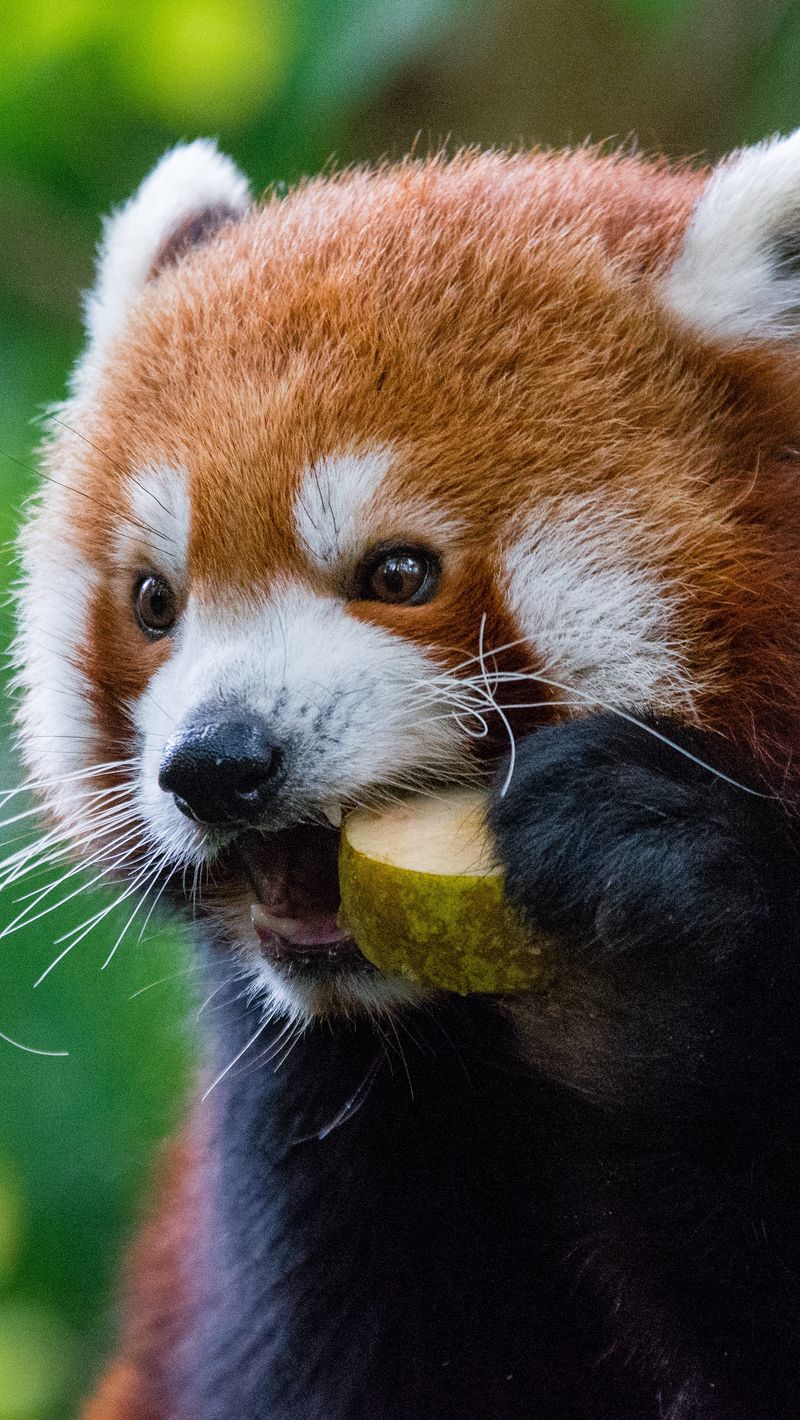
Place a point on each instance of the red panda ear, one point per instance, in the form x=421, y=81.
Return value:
x=736, y=279
x=192, y=192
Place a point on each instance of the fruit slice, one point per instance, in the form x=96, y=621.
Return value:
x=423, y=897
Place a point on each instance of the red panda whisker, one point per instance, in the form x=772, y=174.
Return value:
x=58, y=843
x=187, y=865
x=195, y=888
x=56, y=961
x=154, y=903
x=27, y=921
x=73, y=738
x=300, y=1028
x=29, y=849
x=88, y=926
x=512, y=743
x=221, y=987
x=23, y=919
x=585, y=698
x=236, y=1059
x=143, y=871
x=512, y=705
x=493, y=651
x=53, y=419
x=17, y=818
x=189, y=970
x=278, y=1052
x=74, y=871
x=79, y=867
x=401, y=1053
x=97, y=502
x=33, y=1050
x=29, y=785
x=265, y=1057
x=152, y=875
x=478, y=684
x=160, y=708
x=87, y=808
x=199, y=866
x=15, y=863
x=36, y=812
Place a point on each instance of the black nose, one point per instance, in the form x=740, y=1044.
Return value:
x=220, y=771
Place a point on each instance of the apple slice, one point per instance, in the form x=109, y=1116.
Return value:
x=423, y=897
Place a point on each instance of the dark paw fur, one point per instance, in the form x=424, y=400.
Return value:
x=615, y=838
x=679, y=892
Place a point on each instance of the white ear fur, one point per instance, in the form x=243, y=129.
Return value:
x=190, y=180
x=736, y=280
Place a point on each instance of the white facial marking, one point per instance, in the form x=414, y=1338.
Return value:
x=597, y=620
x=156, y=527
x=58, y=733
x=338, y=509
x=727, y=283
x=333, y=504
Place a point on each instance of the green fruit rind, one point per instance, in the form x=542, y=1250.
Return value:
x=454, y=933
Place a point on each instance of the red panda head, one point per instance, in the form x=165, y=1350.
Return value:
x=362, y=480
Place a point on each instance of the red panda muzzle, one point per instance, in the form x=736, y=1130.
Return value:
x=294, y=875
x=220, y=771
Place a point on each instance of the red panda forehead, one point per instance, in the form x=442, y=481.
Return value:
x=465, y=317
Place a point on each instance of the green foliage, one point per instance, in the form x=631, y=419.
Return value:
x=91, y=93
x=12, y=1220
x=37, y=1360
x=661, y=16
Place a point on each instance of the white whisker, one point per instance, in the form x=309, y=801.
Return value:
x=498, y=708
x=151, y=874
x=104, y=852
x=585, y=698
x=32, y=1050
x=23, y=919
x=162, y=980
x=236, y=1059
x=32, y=785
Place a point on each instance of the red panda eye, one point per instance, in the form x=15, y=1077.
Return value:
x=399, y=575
x=155, y=605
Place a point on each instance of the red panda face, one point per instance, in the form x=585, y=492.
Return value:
x=355, y=485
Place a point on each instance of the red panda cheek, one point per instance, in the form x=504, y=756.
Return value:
x=120, y=662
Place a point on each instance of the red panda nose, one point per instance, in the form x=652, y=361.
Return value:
x=220, y=771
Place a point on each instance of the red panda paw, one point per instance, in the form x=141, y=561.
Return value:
x=622, y=834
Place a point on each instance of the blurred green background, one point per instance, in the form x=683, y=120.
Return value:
x=91, y=92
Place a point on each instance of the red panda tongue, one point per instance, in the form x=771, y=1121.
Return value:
x=295, y=877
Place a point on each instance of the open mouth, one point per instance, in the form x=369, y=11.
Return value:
x=294, y=874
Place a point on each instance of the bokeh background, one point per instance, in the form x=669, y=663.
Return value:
x=91, y=92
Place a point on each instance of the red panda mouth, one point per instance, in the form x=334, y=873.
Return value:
x=294, y=874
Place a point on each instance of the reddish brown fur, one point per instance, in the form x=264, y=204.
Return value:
x=491, y=319
x=488, y=318
x=156, y=1301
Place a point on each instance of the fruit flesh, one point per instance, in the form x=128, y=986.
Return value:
x=423, y=897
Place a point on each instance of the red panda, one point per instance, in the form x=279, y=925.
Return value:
x=322, y=457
